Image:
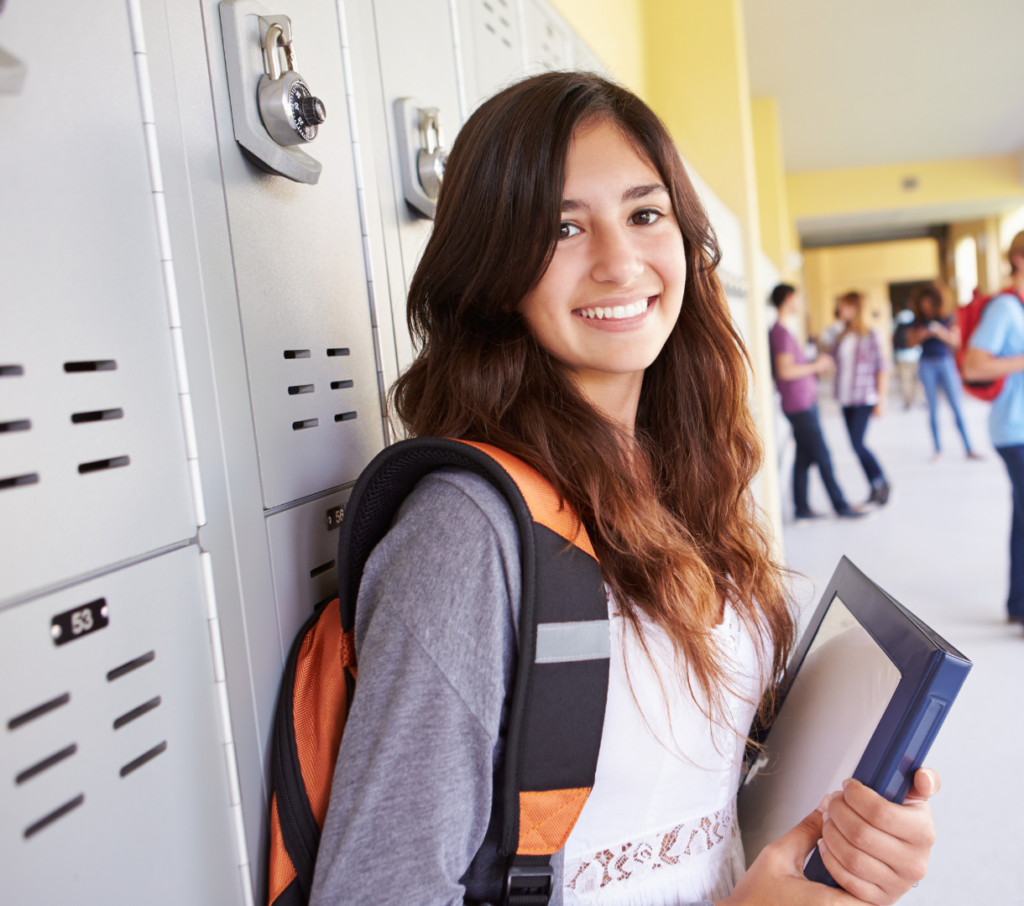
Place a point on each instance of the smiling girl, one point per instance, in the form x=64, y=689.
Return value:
x=569, y=314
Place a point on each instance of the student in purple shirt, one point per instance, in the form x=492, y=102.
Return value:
x=797, y=381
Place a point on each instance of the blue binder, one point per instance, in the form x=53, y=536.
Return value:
x=884, y=681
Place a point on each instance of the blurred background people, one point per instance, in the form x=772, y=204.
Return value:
x=996, y=351
x=797, y=381
x=906, y=356
x=936, y=331
x=862, y=380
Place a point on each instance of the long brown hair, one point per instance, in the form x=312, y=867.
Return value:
x=671, y=515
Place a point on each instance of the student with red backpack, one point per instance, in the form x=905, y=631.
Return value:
x=573, y=329
x=995, y=353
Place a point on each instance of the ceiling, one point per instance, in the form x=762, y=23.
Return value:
x=889, y=81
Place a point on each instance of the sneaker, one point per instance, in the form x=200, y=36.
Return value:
x=880, y=493
x=808, y=517
x=854, y=512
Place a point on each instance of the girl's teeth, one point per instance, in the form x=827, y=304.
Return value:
x=616, y=312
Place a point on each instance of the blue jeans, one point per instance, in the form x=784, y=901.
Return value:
x=856, y=426
x=1014, y=459
x=941, y=372
x=811, y=450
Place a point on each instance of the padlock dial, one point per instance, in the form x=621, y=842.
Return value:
x=307, y=112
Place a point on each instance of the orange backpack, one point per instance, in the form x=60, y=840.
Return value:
x=559, y=688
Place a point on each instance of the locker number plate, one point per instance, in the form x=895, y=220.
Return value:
x=334, y=516
x=80, y=621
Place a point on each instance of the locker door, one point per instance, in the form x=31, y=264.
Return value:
x=417, y=59
x=92, y=452
x=301, y=281
x=492, y=47
x=547, y=41
x=303, y=548
x=114, y=786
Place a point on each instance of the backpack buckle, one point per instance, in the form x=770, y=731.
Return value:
x=528, y=885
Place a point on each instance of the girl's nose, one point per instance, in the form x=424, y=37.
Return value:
x=616, y=259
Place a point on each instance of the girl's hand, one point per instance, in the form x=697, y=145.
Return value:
x=879, y=409
x=777, y=876
x=875, y=849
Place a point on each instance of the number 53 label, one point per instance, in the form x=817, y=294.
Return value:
x=79, y=621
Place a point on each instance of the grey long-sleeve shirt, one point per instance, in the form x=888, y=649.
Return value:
x=435, y=643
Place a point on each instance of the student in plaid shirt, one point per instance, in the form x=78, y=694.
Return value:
x=862, y=379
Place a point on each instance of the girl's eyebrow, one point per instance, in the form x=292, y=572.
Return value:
x=643, y=191
x=573, y=204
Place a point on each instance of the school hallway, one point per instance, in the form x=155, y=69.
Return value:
x=940, y=548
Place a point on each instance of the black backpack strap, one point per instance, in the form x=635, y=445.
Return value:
x=561, y=681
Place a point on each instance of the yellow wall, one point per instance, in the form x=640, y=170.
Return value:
x=614, y=31
x=697, y=83
x=824, y=192
x=776, y=226
x=870, y=268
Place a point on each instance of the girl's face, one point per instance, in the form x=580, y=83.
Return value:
x=613, y=290
x=847, y=311
x=927, y=308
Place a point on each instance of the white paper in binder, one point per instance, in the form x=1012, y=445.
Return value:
x=830, y=713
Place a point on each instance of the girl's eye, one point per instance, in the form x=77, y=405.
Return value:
x=646, y=217
x=567, y=230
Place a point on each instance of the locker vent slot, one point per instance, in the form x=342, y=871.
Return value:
x=38, y=711
x=143, y=758
x=296, y=354
x=296, y=389
x=305, y=423
x=100, y=465
x=98, y=415
x=341, y=385
x=96, y=365
x=342, y=350
x=22, y=424
x=502, y=22
x=345, y=416
x=11, y=370
x=129, y=716
x=321, y=569
x=17, y=481
x=68, y=806
x=49, y=762
x=140, y=661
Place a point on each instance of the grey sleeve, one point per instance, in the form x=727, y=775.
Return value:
x=435, y=637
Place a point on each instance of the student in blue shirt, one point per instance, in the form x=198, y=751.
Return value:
x=995, y=350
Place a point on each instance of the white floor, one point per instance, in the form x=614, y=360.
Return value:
x=940, y=548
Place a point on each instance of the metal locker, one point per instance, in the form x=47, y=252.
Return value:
x=585, y=59
x=303, y=548
x=492, y=47
x=301, y=281
x=115, y=788
x=417, y=58
x=92, y=453
x=547, y=42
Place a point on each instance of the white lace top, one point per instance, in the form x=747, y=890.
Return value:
x=659, y=828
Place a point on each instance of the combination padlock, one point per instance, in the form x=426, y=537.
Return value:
x=432, y=157
x=290, y=111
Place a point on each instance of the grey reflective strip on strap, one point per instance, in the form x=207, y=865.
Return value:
x=587, y=640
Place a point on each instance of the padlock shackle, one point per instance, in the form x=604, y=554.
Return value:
x=274, y=39
x=430, y=120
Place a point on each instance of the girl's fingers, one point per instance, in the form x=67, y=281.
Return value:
x=910, y=822
x=873, y=875
x=926, y=784
x=863, y=890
